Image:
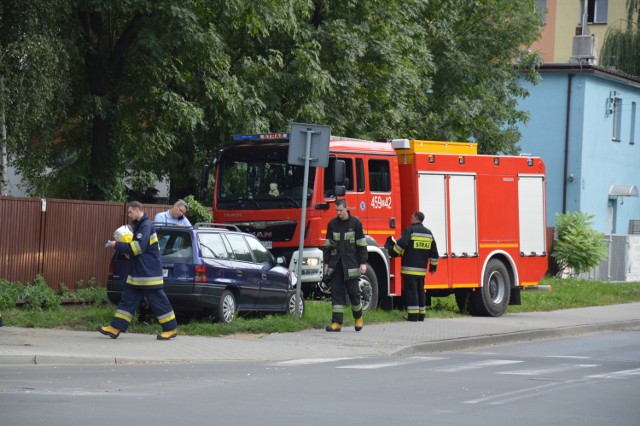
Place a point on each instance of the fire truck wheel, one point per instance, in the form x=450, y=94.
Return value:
x=368, y=290
x=492, y=299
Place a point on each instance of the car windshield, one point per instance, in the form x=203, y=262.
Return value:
x=260, y=177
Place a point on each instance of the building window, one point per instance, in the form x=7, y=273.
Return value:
x=617, y=119
x=597, y=11
x=632, y=133
x=542, y=9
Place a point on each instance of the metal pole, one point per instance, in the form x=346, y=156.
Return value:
x=303, y=219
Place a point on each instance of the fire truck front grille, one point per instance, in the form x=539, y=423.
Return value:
x=275, y=231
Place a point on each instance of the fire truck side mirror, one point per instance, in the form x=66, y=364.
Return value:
x=340, y=176
x=204, y=178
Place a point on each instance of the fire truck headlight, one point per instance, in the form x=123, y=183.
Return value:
x=311, y=261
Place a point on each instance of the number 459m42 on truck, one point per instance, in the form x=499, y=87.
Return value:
x=486, y=212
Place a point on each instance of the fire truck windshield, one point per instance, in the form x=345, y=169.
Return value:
x=254, y=177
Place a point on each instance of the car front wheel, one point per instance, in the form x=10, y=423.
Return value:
x=227, y=309
x=292, y=305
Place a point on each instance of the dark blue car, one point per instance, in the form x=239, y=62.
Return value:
x=214, y=270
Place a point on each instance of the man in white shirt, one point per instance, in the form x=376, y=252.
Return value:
x=174, y=216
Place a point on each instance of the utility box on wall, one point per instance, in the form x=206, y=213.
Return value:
x=622, y=263
x=633, y=262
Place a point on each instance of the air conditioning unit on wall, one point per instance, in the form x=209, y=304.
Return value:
x=584, y=49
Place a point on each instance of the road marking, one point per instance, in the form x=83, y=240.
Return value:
x=395, y=363
x=310, y=361
x=507, y=397
x=568, y=357
x=616, y=374
x=556, y=369
x=479, y=364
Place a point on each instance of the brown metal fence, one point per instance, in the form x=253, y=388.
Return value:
x=62, y=240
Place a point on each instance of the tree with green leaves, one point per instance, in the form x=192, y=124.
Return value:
x=622, y=42
x=152, y=88
x=35, y=83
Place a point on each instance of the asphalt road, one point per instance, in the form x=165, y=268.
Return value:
x=585, y=380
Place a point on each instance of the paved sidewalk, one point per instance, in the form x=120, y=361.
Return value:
x=45, y=346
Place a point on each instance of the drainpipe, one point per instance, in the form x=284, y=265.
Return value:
x=566, y=146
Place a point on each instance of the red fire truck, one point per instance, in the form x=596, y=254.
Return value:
x=487, y=213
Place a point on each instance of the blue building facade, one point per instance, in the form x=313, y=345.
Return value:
x=585, y=125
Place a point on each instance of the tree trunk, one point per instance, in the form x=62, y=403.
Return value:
x=4, y=164
x=99, y=179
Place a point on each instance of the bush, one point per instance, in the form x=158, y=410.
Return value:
x=578, y=245
x=9, y=294
x=39, y=295
x=197, y=212
x=88, y=292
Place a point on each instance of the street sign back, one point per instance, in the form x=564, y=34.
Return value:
x=319, y=152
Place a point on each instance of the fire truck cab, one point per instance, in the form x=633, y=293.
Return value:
x=487, y=213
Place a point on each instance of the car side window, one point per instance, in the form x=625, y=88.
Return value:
x=176, y=247
x=260, y=253
x=239, y=247
x=211, y=245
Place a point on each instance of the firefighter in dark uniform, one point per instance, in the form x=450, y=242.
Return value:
x=345, y=258
x=145, y=280
x=418, y=249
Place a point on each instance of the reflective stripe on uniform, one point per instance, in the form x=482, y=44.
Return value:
x=124, y=315
x=144, y=281
x=353, y=272
x=408, y=270
x=166, y=317
x=135, y=247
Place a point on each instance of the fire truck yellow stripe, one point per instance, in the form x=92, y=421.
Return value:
x=498, y=245
x=443, y=286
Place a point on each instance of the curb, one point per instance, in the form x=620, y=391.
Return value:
x=513, y=337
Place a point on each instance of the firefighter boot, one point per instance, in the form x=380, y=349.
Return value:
x=335, y=326
x=1, y=322
x=412, y=317
x=358, y=323
x=166, y=335
x=420, y=317
x=107, y=330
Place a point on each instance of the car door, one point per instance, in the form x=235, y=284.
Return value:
x=219, y=272
x=273, y=278
x=176, y=247
x=247, y=272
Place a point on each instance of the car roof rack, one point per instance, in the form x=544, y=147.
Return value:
x=216, y=225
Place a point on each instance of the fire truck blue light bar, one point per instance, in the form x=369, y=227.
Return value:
x=264, y=136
